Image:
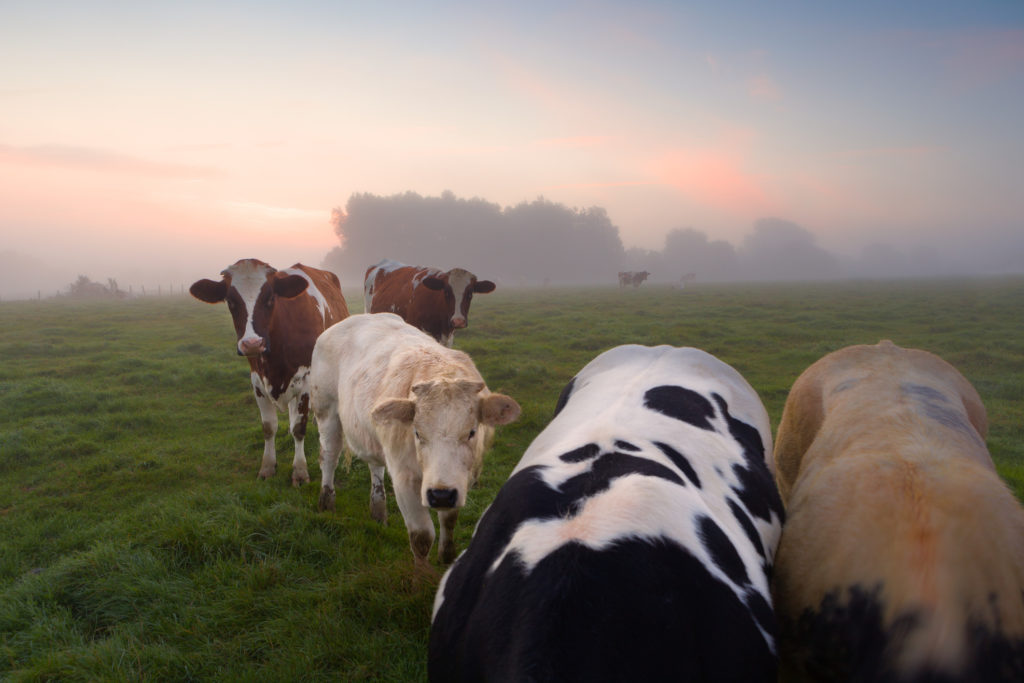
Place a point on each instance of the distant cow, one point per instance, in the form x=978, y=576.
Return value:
x=684, y=280
x=433, y=300
x=630, y=277
x=903, y=554
x=633, y=540
x=406, y=403
x=278, y=315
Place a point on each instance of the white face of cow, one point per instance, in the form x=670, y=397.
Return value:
x=445, y=432
x=446, y=417
x=248, y=279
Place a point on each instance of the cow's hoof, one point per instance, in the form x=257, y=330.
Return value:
x=326, y=500
x=422, y=570
x=379, y=511
x=300, y=478
x=268, y=472
x=447, y=554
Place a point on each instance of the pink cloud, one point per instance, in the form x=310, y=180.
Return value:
x=92, y=159
x=711, y=176
x=574, y=141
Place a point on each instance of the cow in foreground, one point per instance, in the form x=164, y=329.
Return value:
x=632, y=542
x=433, y=300
x=903, y=554
x=407, y=404
x=278, y=315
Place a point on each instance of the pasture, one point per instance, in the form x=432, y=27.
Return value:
x=136, y=542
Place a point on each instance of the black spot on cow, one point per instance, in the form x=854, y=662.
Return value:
x=748, y=526
x=563, y=397
x=580, y=454
x=682, y=404
x=626, y=446
x=605, y=470
x=747, y=436
x=638, y=610
x=936, y=406
x=680, y=461
x=846, y=638
x=723, y=552
x=756, y=490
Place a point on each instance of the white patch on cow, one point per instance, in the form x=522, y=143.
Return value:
x=313, y=291
x=298, y=385
x=459, y=280
x=248, y=278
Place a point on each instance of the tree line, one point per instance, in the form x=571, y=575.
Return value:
x=542, y=242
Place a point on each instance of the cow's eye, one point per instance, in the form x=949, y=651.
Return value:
x=417, y=435
x=472, y=433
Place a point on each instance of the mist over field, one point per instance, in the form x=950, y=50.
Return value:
x=529, y=244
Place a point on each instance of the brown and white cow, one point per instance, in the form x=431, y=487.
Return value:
x=278, y=315
x=902, y=557
x=433, y=300
x=408, y=404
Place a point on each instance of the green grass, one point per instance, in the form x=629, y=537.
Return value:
x=137, y=544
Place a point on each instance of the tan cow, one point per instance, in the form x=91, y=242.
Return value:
x=902, y=556
x=406, y=403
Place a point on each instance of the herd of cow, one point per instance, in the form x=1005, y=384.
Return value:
x=651, y=531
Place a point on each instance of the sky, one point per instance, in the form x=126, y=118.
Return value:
x=166, y=140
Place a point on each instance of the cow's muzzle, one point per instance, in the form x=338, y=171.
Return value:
x=252, y=346
x=459, y=323
x=442, y=498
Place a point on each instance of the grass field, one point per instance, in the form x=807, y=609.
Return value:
x=136, y=542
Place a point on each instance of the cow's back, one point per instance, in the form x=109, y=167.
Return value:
x=903, y=552
x=392, y=287
x=614, y=551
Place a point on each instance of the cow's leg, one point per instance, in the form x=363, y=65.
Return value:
x=268, y=413
x=378, y=496
x=329, y=425
x=446, y=544
x=416, y=516
x=298, y=416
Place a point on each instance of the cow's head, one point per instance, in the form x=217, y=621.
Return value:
x=250, y=287
x=458, y=287
x=448, y=420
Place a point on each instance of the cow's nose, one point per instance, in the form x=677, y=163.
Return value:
x=251, y=346
x=458, y=323
x=442, y=498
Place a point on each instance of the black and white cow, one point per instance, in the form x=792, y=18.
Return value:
x=633, y=541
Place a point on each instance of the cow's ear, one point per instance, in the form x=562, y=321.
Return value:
x=499, y=409
x=400, y=409
x=484, y=286
x=434, y=283
x=210, y=291
x=289, y=286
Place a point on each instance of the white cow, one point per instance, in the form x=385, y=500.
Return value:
x=408, y=404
